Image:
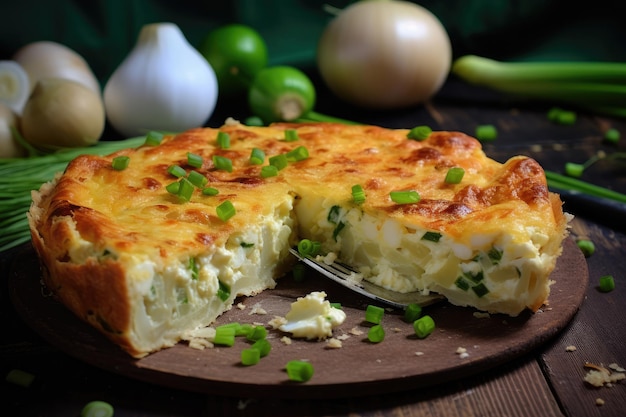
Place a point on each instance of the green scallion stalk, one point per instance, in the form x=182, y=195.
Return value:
x=376, y=334
x=298, y=154
x=454, y=175
x=607, y=283
x=291, y=135
x=197, y=179
x=263, y=346
x=97, y=409
x=299, y=371
x=374, y=314
x=154, y=138
x=279, y=161
x=412, y=312
x=404, y=197
x=250, y=356
x=223, y=140
x=257, y=333
x=194, y=160
x=257, y=156
x=269, y=171
x=224, y=335
x=120, y=163
x=358, y=194
x=419, y=133
x=222, y=163
x=423, y=326
x=225, y=210
x=568, y=183
x=185, y=189
x=176, y=171
x=210, y=191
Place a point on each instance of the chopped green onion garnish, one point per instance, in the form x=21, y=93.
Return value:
x=299, y=371
x=154, y=138
x=432, y=236
x=607, y=283
x=291, y=135
x=210, y=191
x=423, y=326
x=224, y=335
x=586, y=246
x=269, y=171
x=560, y=116
x=486, y=132
x=412, y=312
x=358, y=195
x=197, y=179
x=454, y=175
x=474, y=276
x=176, y=171
x=574, y=170
x=298, y=154
x=257, y=156
x=97, y=409
x=404, y=197
x=194, y=160
x=376, y=334
x=223, y=140
x=223, y=163
x=336, y=305
x=279, y=161
x=185, y=190
x=257, y=333
x=308, y=247
x=193, y=267
x=223, y=291
x=173, y=187
x=419, y=133
x=480, y=289
x=250, y=356
x=612, y=135
x=120, y=163
x=333, y=214
x=243, y=329
x=19, y=377
x=495, y=255
x=263, y=346
x=298, y=272
x=226, y=210
x=374, y=314
x=461, y=283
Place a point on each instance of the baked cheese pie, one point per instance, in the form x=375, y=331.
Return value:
x=149, y=250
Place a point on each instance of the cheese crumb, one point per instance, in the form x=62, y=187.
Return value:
x=241, y=306
x=277, y=321
x=312, y=317
x=599, y=376
x=356, y=331
x=462, y=352
x=334, y=343
x=419, y=353
x=570, y=348
x=481, y=315
x=599, y=401
x=257, y=309
x=286, y=340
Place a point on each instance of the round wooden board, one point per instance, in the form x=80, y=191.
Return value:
x=358, y=368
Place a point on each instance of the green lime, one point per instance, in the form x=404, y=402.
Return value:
x=237, y=53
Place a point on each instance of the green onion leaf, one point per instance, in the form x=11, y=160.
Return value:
x=154, y=138
x=223, y=163
x=291, y=135
x=279, y=161
x=120, y=163
x=194, y=160
x=404, y=197
x=423, y=326
x=224, y=335
x=250, y=356
x=432, y=236
x=193, y=267
x=173, y=188
x=185, y=190
x=223, y=140
x=298, y=154
x=419, y=133
x=412, y=312
x=454, y=175
x=263, y=346
x=486, y=132
x=97, y=409
x=358, y=195
x=607, y=283
x=299, y=371
x=376, y=334
x=269, y=171
x=374, y=314
x=210, y=191
x=197, y=179
x=223, y=291
x=257, y=333
x=226, y=210
x=480, y=290
x=176, y=171
x=257, y=156
x=462, y=284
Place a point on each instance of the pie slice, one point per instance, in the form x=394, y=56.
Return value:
x=165, y=245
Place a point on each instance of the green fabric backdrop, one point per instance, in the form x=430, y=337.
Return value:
x=103, y=31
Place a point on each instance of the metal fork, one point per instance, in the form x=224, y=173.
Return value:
x=343, y=275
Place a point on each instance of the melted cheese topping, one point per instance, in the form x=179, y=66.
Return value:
x=172, y=265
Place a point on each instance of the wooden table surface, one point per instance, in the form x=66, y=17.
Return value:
x=547, y=382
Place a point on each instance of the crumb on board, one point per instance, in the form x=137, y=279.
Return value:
x=481, y=315
x=600, y=376
x=419, y=353
x=285, y=340
x=356, y=331
x=462, y=352
x=277, y=321
x=241, y=306
x=200, y=338
x=599, y=401
x=343, y=336
x=333, y=343
x=570, y=348
x=257, y=309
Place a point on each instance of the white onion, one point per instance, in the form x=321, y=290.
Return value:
x=163, y=84
x=384, y=54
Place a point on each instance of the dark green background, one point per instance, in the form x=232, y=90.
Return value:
x=104, y=31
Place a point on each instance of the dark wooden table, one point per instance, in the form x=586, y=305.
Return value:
x=546, y=382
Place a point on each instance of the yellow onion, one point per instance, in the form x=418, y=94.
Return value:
x=62, y=113
x=384, y=54
x=9, y=147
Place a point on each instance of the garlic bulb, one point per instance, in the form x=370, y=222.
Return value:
x=14, y=85
x=163, y=84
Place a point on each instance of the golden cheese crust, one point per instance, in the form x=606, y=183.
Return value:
x=93, y=220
